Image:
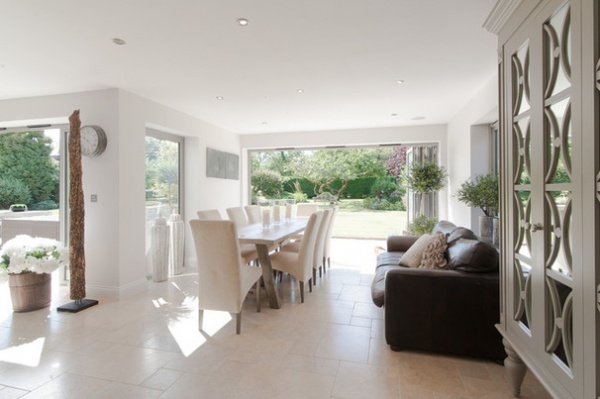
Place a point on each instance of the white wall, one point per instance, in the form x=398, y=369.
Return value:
x=115, y=225
x=469, y=148
x=355, y=137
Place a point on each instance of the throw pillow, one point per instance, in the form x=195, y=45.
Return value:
x=413, y=256
x=433, y=256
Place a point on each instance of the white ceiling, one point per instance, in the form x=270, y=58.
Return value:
x=345, y=54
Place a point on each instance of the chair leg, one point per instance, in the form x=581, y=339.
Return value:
x=200, y=319
x=258, y=284
x=315, y=275
x=301, y=291
x=325, y=265
x=310, y=285
x=238, y=323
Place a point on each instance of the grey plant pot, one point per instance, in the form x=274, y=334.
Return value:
x=486, y=229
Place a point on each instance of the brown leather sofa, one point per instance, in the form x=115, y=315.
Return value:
x=451, y=310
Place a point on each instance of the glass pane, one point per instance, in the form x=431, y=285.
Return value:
x=520, y=80
x=162, y=185
x=559, y=340
x=522, y=218
x=558, y=207
x=557, y=52
x=559, y=142
x=30, y=182
x=522, y=151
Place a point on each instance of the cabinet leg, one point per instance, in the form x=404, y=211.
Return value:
x=515, y=369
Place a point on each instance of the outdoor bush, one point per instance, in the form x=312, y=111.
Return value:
x=360, y=188
x=382, y=204
x=13, y=191
x=44, y=205
x=306, y=186
x=267, y=181
x=421, y=225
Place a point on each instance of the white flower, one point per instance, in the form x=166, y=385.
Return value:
x=32, y=254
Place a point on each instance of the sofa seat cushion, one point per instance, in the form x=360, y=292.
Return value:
x=388, y=258
x=378, y=284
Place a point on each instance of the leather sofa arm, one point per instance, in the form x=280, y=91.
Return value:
x=400, y=243
x=443, y=311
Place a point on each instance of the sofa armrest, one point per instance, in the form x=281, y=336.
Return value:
x=400, y=243
x=443, y=311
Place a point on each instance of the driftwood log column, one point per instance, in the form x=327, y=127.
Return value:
x=76, y=222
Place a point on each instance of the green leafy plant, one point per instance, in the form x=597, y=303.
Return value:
x=421, y=225
x=481, y=192
x=267, y=181
x=13, y=191
x=425, y=178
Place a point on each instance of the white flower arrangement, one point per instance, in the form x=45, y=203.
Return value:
x=24, y=254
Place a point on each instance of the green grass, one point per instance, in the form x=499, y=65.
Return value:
x=353, y=221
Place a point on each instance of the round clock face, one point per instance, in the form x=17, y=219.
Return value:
x=93, y=141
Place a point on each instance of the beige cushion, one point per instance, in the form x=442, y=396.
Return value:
x=414, y=255
x=433, y=256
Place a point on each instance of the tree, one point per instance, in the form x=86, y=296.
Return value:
x=323, y=168
x=425, y=178
x=396, y=163
x=482, y=192
x=25, y=156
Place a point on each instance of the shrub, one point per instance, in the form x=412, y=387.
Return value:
x=421, y=225
x=482, y=192
x=267, y=181
x=44, y=205
x=383, y=188
x=13, y=191
x=382, y=204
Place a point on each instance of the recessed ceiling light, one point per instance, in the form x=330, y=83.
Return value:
x=219, y=98
x=118, y=41
x=394, y=114
x=265, y=123
x=399, y=81
x=242, y=21
x=300, y=91
x=418, y=118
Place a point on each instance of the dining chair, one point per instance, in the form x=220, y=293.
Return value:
x=248, y=251
x=252, y=213
x=238, y=215
x=317, y=262
x=304, y=209
x=299, y=264
x=209, y=214
x=223, y=279
x=327, y=248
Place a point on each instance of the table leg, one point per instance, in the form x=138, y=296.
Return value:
x=267, y=271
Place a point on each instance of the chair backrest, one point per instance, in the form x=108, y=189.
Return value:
x=307, y=245
x=320, y=239
x=306, y=209
x=209, y=214
x=219, y=263
x=238, y=215
x=253, y=213
x=328, y=235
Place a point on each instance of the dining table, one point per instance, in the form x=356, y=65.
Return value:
x=271, y=236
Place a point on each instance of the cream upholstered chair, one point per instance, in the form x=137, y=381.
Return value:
x=238, y=215
x=223, y=279
x=327, y=248
x=253, y=213
x=299, y=264
x=306, y=209
x=248, y=251
x=317, y=262
x=209, y=214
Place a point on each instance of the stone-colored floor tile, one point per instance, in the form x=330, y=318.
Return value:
x=357, y=381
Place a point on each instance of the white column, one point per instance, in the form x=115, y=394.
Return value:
x=176, y=239
x=160, y=250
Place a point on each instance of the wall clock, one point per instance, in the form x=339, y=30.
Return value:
x=93, y=140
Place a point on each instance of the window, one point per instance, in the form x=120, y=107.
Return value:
x=164, y=180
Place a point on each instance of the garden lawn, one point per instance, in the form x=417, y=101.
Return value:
x=354, y=222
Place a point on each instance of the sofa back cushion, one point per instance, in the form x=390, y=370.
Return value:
x=444, y=227
x=471, y=255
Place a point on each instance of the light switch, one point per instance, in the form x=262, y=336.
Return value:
x=94, y=198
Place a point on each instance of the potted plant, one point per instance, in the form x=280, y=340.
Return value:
x=28, y=262
x=482, y=192
x=425, y=178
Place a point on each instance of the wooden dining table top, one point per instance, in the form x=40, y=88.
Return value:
x=272, y=235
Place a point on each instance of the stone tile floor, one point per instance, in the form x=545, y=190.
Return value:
x=149, y=346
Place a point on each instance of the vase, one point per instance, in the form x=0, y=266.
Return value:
x=486, y=229
x=30, y=291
